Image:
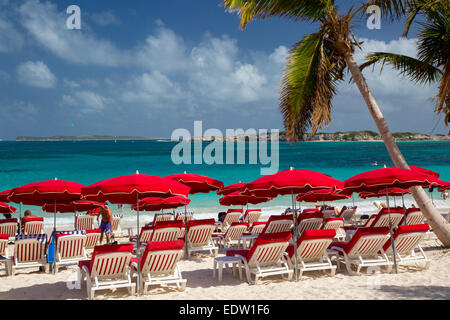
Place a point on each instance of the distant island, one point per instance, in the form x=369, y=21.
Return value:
x=321, y=136
x=86, y=138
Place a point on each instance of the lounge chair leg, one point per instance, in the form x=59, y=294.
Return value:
x=333, y=272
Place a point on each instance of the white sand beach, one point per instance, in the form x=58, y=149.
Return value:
x=409, y=283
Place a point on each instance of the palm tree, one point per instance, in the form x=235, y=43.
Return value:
x=315, y=66
x=433, y=51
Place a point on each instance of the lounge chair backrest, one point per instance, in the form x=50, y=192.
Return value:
x=29, y=250
x=309, y=224
x=231, y=217
x=181, y=216
x=9, y=227
x=367, y=242
x=236, y=230
x=268, y=249
x=312, y=244
x=92, y=238
x=70, y=246
x=413, y=216
x=258, y=227
x=328, y=212
x=115, y=222
x=146, y=234
x=200, y=231
x=252, y=215
x=4, y=239
x=162, y=217
x=278, y=224
x=406, y=238
x=33, y=226
x=110, y=260
x=382, y=219
x=161, y=258
x=370, y=221
x=347, y=213
x=84, y=222
x=333, y=223
x=166, y=231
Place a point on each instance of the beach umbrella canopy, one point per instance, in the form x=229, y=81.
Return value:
x=391, y=192
x=4, y=195
x=74, y=206
x=129, y=188
x=6, y=208
x=231, y=188
x=424, y=170
x=392, y=177
x=197, y=183
x=237, y=199
x=293, y=181
x=158, y=204
x=443, y=185
x=49, y=191
x=321, y=195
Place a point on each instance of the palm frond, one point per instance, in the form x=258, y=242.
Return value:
x=309, y=85
x=417, y=70
x=249, y=10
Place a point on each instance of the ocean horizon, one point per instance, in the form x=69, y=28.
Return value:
x=87, y=162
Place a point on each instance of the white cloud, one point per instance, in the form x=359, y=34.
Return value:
x=86, y=101
x=47, y=27
x=104, y=18
x=36, y=74
x=10, y=39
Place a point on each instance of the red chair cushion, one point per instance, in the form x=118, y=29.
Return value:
x=93, y=231
x=200, y=222
x=25, y=220
x=8, y=221
x=4, y=236
x=235, y=210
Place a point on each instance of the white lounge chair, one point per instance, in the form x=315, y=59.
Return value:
x=29, y=252
x=365, y=249
x=277, y=224
x=84, y=222
x=412, y=216
x=312, y=251
x=348, y=213
x=336, y=224
x=33, y=226
x=266, y=257
x=233, y=215
x=109, y=268
x=309, y=221
x=92, y=239
x=4, y=240
x=232, y=236
x=115, y=224
x=9, y=227
x=407, y=245
x=166, y=231
x=199, y=236
x=252, y=215
x=70, y=248
x=159, y=265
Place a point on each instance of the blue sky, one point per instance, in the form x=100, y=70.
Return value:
x=145, y=68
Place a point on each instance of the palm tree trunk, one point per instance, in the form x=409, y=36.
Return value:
x=440, y=227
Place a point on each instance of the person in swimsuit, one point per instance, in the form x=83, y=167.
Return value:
x=105, y=225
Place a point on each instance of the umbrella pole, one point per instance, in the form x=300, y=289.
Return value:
x=138, y=248
x=404, y=208
x=295, y=237
x=20, y=218
x=390, y=231
x=186, y=251
x=395, y=202
x=54, y=240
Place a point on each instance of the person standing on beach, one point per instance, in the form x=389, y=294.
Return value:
x=105, y=225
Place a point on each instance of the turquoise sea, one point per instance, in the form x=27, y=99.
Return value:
x=90, y=161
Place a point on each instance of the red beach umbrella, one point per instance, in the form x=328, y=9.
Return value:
x=4, y=195
x=74, y=206
x=321, y=195
x=237, y=199
x=392, y=192
x=293, y=181
x=6, y=208
x=49, y=191
x=197, y=183
x=424, y=170
x=443, y=185
x=128, y=189
x=158, y=204
x=231, y=188
x=392, y=177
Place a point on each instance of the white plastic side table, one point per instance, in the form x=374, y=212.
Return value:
x=234, y=261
